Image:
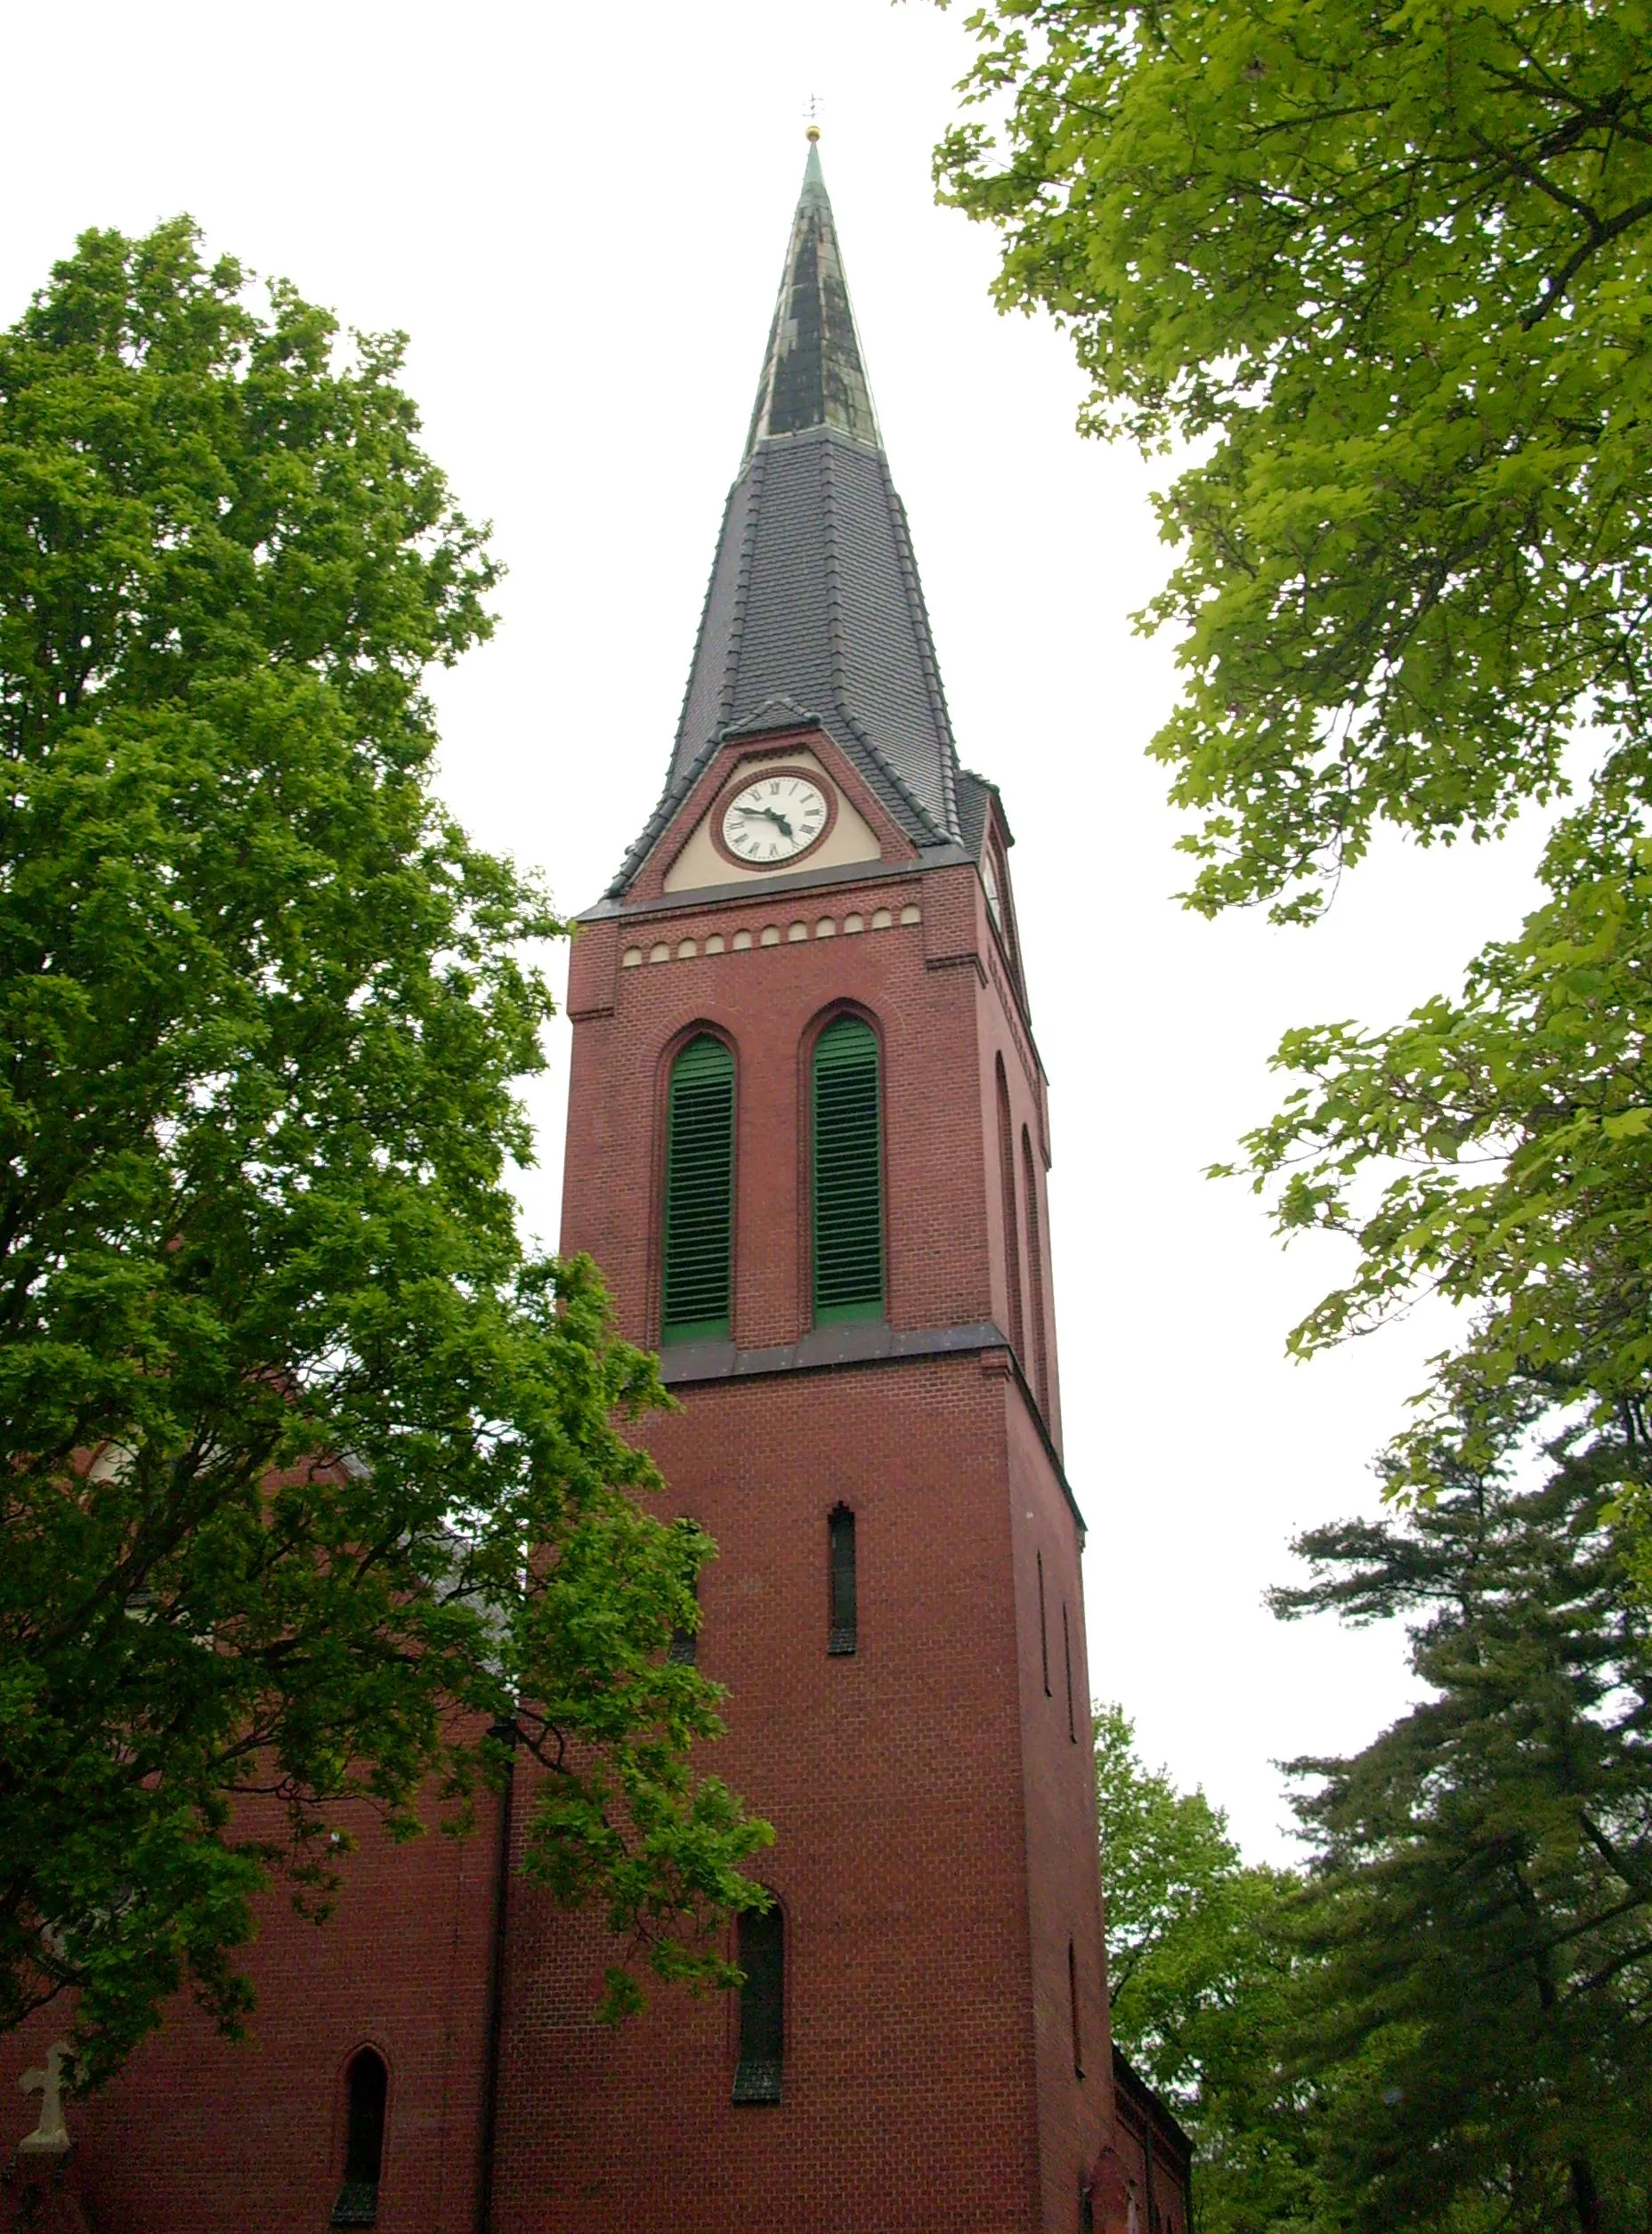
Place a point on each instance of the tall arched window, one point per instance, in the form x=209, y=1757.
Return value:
x=1007, y=1188
x=699, y=1194
x=366, y=2088
x=1035, y=1267
x=762, y=1957
x=848, y=1173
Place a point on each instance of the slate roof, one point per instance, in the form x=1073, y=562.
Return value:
x=814, y=608
x=812, y=373
x=973, y=791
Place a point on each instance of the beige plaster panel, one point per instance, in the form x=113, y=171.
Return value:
x=851, y=837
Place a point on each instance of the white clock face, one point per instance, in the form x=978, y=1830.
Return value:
x=773, y=820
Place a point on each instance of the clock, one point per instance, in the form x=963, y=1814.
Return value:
x=775, y=818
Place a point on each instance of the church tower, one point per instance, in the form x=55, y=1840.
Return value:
x=807, y=1141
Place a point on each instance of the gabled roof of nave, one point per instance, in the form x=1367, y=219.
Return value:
x=815, y=610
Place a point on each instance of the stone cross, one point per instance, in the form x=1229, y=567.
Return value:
x=50, y=2138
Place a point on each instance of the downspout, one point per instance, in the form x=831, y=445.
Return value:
x=496, y=1990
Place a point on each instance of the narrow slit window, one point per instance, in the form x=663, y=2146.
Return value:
x=1066, y=1653
x=699, y=1194
x=367, y=2090
x=998, y=900
x=762, y=1958
x=1035, y=1269
x=684, y=1646
x=1007, y=1192
x=684, y=1649
x=848, y=1175
x=1043, y=1627
x=843, y=1635
x=1073, y=2003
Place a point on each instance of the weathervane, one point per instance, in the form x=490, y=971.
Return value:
x=812, y=110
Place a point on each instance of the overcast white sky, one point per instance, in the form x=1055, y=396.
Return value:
x=579, y=216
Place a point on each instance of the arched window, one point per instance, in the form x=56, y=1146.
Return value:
x=849, y=1175
x=762, y=1957
x=699, y=1194
x=367, y=2087
x=1035, y=1267
x=1006, y=1189
x=845, y=1632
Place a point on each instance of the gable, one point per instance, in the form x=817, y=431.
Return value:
x=701, y=862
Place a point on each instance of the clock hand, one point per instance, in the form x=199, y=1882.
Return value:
x=769, y=814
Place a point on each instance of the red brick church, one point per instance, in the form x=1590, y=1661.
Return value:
x=808, y=1137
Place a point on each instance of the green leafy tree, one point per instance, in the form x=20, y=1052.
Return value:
x=311, y=1484
x=1478, y=1939
x=1392, y=265
x=1200, y=1969
x=1390, y=270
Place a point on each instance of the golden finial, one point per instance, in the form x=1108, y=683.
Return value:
x=813, y=133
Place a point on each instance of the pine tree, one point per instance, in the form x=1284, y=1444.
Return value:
x=1474, y=2007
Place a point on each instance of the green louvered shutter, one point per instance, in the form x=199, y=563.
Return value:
x=849, y=1175
x=699, y=1192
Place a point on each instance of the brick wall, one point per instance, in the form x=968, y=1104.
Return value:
x=894, y=1777
x=201, y=2135
x=936, y=1850
x=1149, y=2180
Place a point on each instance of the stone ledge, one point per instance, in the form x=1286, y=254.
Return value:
x=856, y=1342
x=862, y=1342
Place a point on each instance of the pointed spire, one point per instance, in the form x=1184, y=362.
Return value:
x=813, y=611
x=813, y=372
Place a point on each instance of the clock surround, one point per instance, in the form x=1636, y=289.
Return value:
x=746, y=778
